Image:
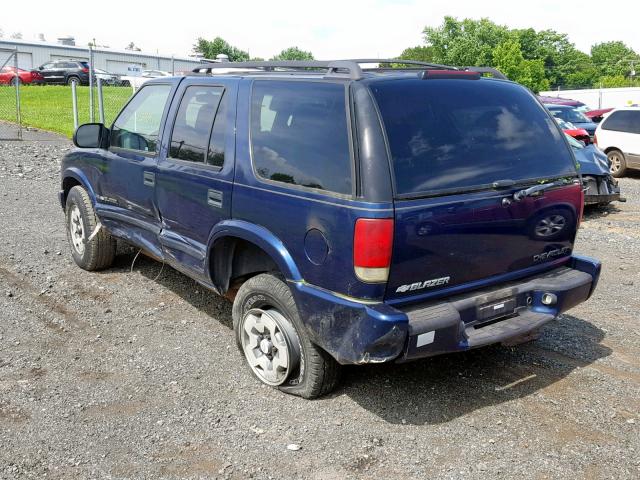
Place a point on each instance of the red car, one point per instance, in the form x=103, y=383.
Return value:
x=9, y=75
x=571, y=130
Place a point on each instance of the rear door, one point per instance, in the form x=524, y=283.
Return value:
x=460, y=150
x=194, y=179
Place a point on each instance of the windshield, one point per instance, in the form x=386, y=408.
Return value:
x=569, y=115
x=461, y=134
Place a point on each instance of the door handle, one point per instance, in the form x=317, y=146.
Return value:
x=149, y=179
x=214, y=198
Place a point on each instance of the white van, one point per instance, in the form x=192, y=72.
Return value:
x=618, y=135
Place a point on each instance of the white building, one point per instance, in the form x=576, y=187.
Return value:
x=32, y=54
x=597, y=98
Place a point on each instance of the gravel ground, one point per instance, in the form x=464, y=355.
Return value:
x=120, y=374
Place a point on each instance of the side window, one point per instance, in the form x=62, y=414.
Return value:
x=627, y=121
x=215, y=156
x=137, y=127
x=194, y=120
x=299, y=134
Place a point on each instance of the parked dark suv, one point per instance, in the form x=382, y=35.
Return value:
x=353, y=216
x=65, y=72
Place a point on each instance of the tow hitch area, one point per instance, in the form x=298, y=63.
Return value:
x=510, y=313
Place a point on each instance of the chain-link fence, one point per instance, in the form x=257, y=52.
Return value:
x=28, y=102
x=10, y=124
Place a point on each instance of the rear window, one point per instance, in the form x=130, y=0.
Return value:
x=458, y=134
x=627, y=121
x=299, y=134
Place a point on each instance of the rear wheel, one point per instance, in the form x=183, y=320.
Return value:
x=72, y=80
x=16, y=81
x=618, y=163
x=97, y=253
x=274, y=342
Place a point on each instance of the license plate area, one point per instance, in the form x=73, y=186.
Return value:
x=496, y=309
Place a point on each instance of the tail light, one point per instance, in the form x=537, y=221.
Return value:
x=372, y=244
x=85, y=70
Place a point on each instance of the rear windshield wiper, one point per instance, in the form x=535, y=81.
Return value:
x=537, y=189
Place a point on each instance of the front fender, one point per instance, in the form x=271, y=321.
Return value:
x=80, y=177
x=262, y=238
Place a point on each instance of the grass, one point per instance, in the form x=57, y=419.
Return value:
x=49, y=107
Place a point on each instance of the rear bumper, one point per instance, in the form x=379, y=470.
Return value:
x=356, y=333
x=600, y=189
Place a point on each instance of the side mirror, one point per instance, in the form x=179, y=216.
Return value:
x=91, y=135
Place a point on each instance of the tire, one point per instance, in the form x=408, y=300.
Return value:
x=618, y=163
x=81, y=221
x=267, y=300
x=551, y=225
x=70, y=80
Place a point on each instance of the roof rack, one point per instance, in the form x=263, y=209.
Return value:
x=493, y=71
x=336, y=68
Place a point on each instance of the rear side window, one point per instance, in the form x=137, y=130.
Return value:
x=192, y=128
x=465, y=134
x=138, y=125
x=627, y=121
x=299, y=134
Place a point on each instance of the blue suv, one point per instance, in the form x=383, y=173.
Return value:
x=353, y=215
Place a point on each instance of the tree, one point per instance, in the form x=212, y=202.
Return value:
x=293, y=53
x=465, y=43
x=563, y=63
x=613, y=58
x=419, y=53
x=212, y=48
x=508, y=58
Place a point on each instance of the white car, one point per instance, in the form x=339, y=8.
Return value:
x=618, y=135
x=136, y=82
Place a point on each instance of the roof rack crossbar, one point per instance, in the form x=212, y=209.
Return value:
x=493, y=71
x=401, y=61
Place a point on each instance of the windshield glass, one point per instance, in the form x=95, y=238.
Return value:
x=457, y=134
x=569, y=115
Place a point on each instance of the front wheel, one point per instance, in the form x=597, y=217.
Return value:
x=90, y=251
x=618, y=163
x=274, y=342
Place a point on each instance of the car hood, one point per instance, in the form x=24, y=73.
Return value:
x=592, y=161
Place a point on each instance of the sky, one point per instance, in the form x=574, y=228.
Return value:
x=329, y=29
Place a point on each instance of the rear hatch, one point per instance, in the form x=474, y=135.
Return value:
x=462, y=152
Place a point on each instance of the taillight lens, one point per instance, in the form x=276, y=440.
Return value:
x=85, y=70
x=595, y=140
x=372, y=244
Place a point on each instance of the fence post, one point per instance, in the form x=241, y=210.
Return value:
x=17, y=82
x=100, y=101
x=74, y=101
x=91, y=113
